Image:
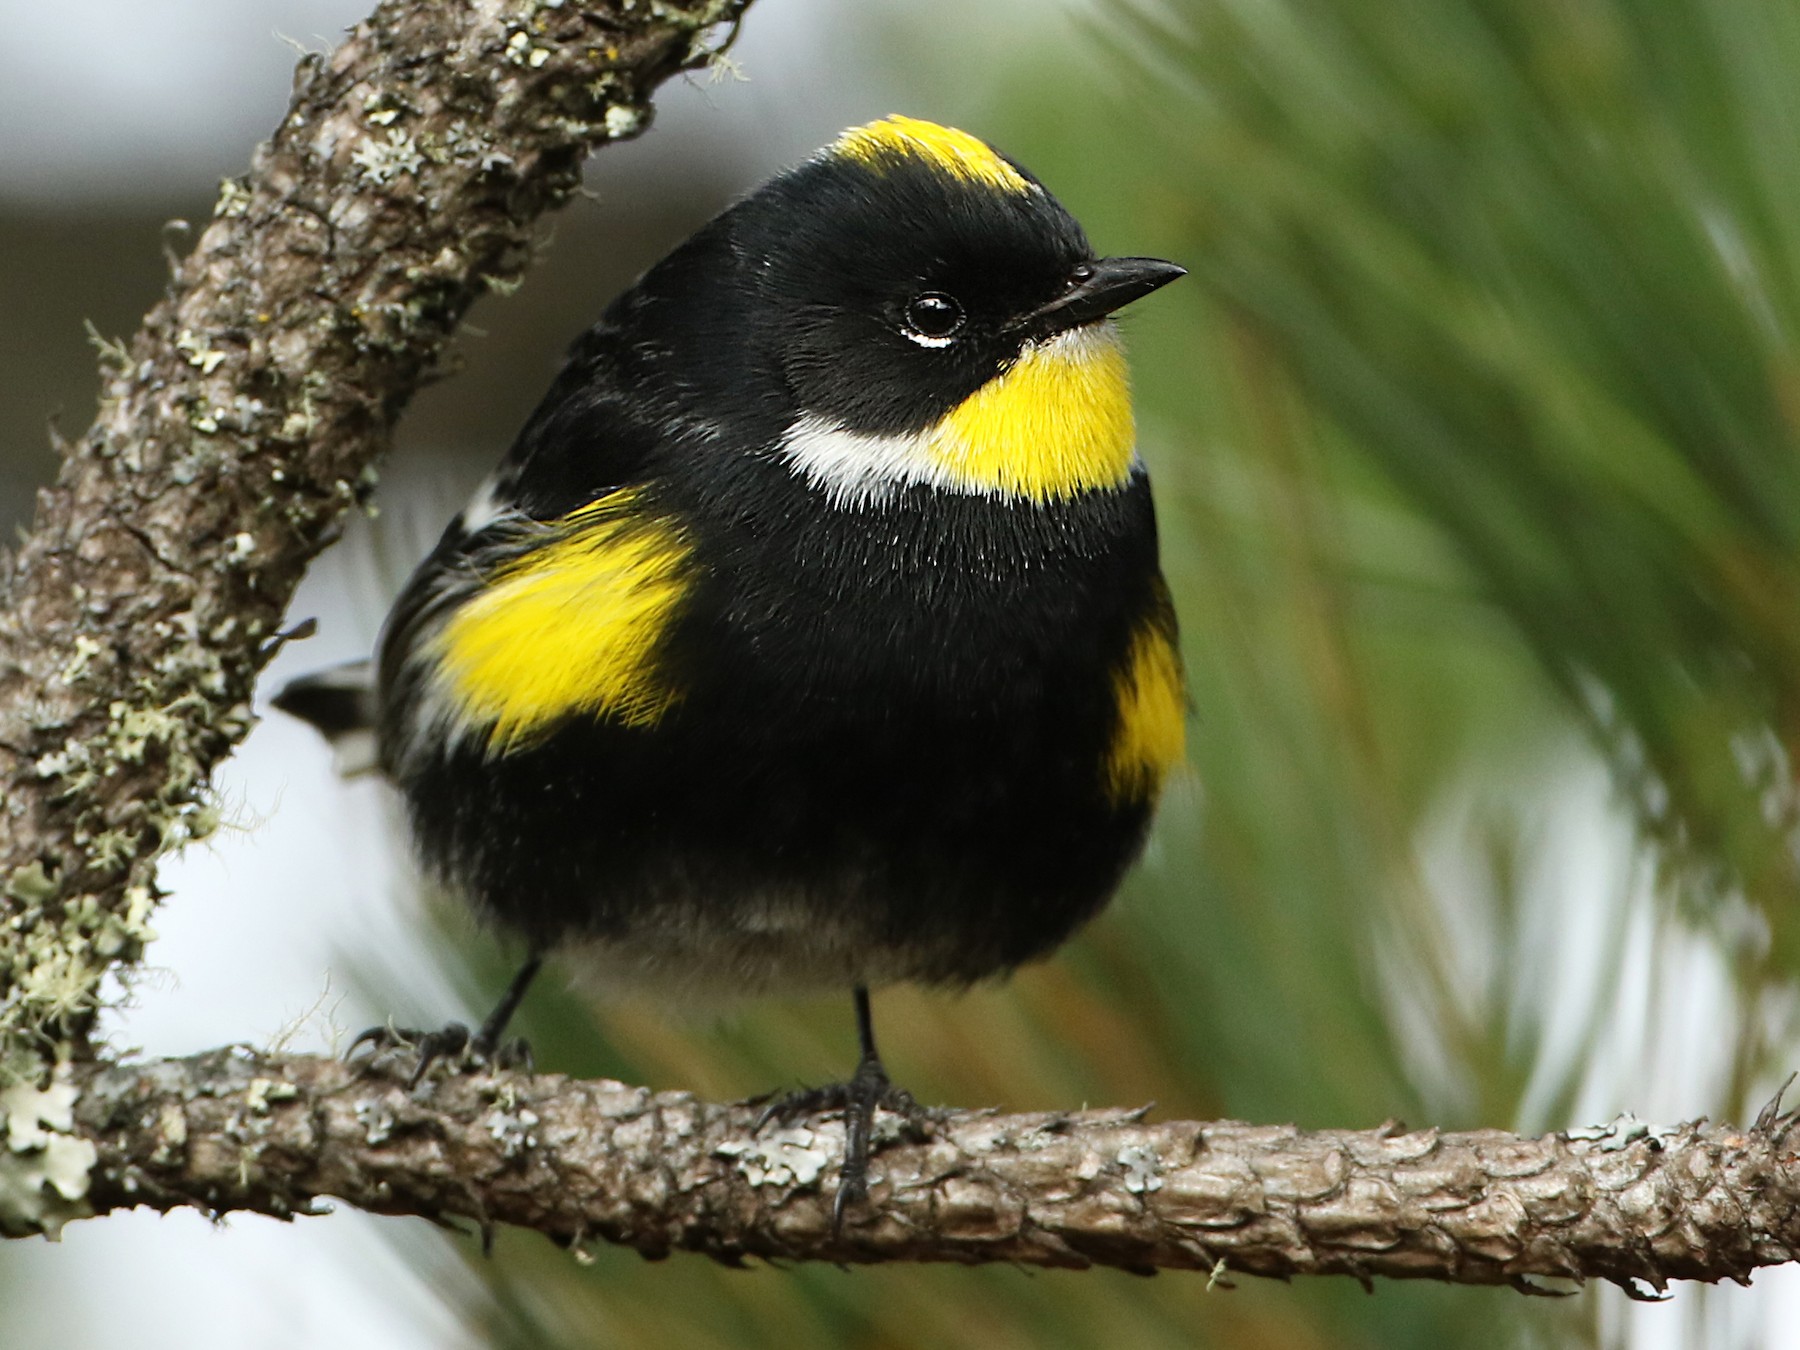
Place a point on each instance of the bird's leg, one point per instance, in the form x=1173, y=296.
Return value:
x=515, y=1053
x=481, y=1047
x=868, y=1091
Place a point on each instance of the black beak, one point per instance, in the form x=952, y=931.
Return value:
x=1096, y=289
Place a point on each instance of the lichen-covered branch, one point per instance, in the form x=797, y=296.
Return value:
x=600, y=1161
x=243, y=419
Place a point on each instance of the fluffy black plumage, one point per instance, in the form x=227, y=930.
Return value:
x=894, y=700
x=883, y=763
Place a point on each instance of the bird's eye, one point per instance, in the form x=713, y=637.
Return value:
x=934, y=317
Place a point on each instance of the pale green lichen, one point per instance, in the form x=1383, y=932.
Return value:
x=377, y=1122
x=300, y=422
x=111, y=848
x=263, y=1092
x=512, y=1131
x=58, y=985
x=1143, y=1168
x=63, y=943
x=171, y=1134
x=63, y=940
x=522, y=51
x=114, y=354
x=44, y=1166
x=200, y=354
x=139, y=728
x=201, y=821
x=383, y=109
x=234, y=199
x=796, y=1156
x=86, y=649
x=130, y=930
x=623, y=121
x=72, y=765
x=1621, y=1133
x=31, y=883
x=720, y=67
x=383, y=159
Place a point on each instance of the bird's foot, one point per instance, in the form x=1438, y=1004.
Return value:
x=483, y=1048
x=868, y=1091
x=469, y=1051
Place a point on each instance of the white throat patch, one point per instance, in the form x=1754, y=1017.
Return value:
x=1056, y=423
x=854, y=468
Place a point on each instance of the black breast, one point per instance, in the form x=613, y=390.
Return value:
x=897, y=715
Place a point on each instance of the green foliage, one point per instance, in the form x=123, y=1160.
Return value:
x=1540, y=263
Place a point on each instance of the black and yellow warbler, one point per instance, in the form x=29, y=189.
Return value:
x=811, y=635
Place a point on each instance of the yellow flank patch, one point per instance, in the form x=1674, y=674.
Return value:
x=1056, y=423
x=1151, y=735
x=570, y=627
x=955, y=152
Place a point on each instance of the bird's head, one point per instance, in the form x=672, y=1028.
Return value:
x=934, y=317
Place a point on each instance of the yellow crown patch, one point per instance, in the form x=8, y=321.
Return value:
x=954, y=152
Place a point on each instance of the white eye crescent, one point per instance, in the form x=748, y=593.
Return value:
x=932, y=319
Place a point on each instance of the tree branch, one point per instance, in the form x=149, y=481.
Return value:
x=660, y=1172
x=245, y=417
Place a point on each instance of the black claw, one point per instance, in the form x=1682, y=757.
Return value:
x=851, y=1191
x=868, y=1091
x=791, y=1106
x=468, y=1050
x=453, y=1042
x=480, y=1049
x=383, y=1037
x=388, y=1037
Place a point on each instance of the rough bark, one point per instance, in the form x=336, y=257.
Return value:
x=243, y=419
x=661, y=1172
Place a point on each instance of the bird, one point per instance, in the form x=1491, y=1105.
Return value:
x=811, y=635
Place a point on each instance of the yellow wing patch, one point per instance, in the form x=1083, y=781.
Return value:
x=954, y=152
x=1055, y=424
x=570, y=627
x=1151, y=735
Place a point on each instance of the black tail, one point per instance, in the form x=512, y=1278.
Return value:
x=340, y=704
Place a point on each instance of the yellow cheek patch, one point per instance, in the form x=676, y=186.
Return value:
x=570, y=627
x=1151, y=735
x=954, y=152
x=1056, y=424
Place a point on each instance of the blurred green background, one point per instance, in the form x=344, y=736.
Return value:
x=1474, y=432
